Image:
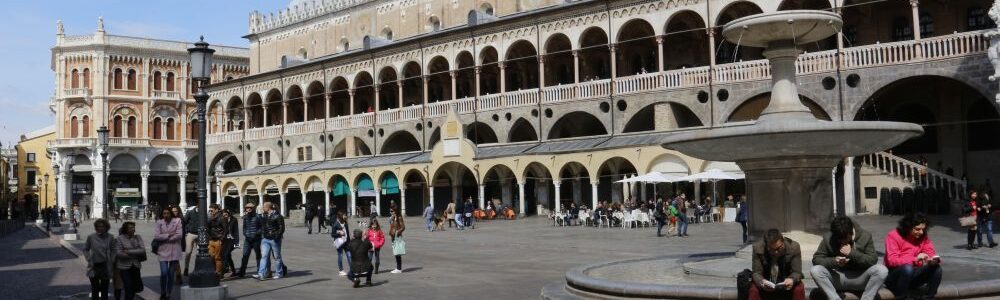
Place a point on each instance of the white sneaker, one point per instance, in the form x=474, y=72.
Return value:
x=396, y=271
x=342, y=273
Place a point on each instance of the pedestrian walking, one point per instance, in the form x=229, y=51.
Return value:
x=179, y=215
x=168, y=235
x=191, y=221
x=742, y=217
x=100, y=259
x=230, y=242
x=62, y=213
x=251, y=237
x=429, y=217
x=971, y=209
x=377, y=238
x=130, y=252
x=449, y=213
x=321, y=218
x=217, y=230
x=273, y=225
x=469, y=208
x=984, y=221
x=396, y=228
x=682, y=218
x=660, y=217
x=459, y=215
x=310, y=215
x=359, y=247
x=86, y=212
x=338, y=231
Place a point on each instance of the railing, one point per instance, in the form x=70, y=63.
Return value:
x=128, y=142
x=264, y=133
x=72, y=142
x=955, y=45
x=910, y=171
x=594, y=88
x=488, y=102
x=521, y=98
x=315, y=126
x=437, y=109
x=194, y=143
x=823, y=61
x=77, y=92
x=223, y=137
x=465, y=105
x=362, y=120
x=947, y=46
x=686, y=77
x=743, y=71
x=559, y=93
x=638, y=83
x=398, y=114
x=340, y=122
x=166, y=95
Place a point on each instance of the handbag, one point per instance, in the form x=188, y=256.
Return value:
x=967, y=221
x=399, y=247
x=338, y=242
x=154, y=246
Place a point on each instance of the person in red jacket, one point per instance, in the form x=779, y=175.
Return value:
x=910, y=257
x=377, y=238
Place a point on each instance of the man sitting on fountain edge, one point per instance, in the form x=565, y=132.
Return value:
x=777, y=268
x=846, y=260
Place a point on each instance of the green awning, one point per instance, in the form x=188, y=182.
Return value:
x=365, y=184
x=340, y=188
x=389, y=185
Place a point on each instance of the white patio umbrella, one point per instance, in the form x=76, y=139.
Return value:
x=713, y=175
x=651, y=177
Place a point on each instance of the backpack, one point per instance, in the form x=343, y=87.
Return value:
x=743, y=281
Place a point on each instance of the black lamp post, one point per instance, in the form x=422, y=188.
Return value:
x=102, y=138
x=201, y=71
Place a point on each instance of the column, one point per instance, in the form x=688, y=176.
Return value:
x=350, y=92
x=503, y=76
x=242, y=203
x=593, y=193
x=556, y=203
x=260, y=200
x=697, y=191
x=303, y=193
x=326, y=201
x=99, y=193
x=541, y=71
x=576, y=66
x=478, y=70
x=265, y=116
x=711, y=47
x=378, y=201
x=520, y=198
x=354, y=202
x=424, y=80
x=305, y=109
x=482, y=195
x=219, y=195
x=399, y=84
x=614, y=62
x=376, y=88
x=454, y=95
x=182, y=187
x=326, y=105
x=659, y=53
x=915, y=9
x=431, y=191
x=145, y=187
x=850, y=189
x=284, y=114
x=284, y=208
x=402, y=201
x=62, y=195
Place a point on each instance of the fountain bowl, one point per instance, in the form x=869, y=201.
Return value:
x=804, y=26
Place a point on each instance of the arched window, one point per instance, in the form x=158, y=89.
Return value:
x=170, y=81
x=978, y=20
x=901, y=29
x=170, y=129
x=434, y=24
x=926, y=25
x=118, y=79
x=387, y=34
x=74, y=79
x=303, y=54
x=157, y=81
x=131, y=79
x=86, y=126
x=74, y=129
x=86, y=78
x=193, y=129
x=486, y=9
x=131, y=127
x=345, y=45
x=116, y=128
x=157, y=129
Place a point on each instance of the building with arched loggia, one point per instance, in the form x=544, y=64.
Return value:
x=535, y=103
x=140, y=89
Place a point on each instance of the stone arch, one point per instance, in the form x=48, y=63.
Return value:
x=164, y=163
x=751, y=109
x=480, y=133
x=637, y=51
x=340, y=190
x=255, y=107
x=124, y=163
x=438, y=80
x=359, y=148
x=400, y=141
x=340, y=97
x=413, y=85
x=416, y=192
x=522, y=131
x=295, y=104
x=235, y=114
x=500, y=185
x=489, y=75
x=689, y=46
x=364, y=93
x=856, y=108
x=521, y=61
x=728, y=52
x=315, y=94
x=577, y=124
x=388, y=85
x=669, y=164
x=575, y=181
x=465, y=82
x=677, y=115
x=275, y=108
x=611, y=170
x=595, y=56
x=558, y=60
x=454, y=181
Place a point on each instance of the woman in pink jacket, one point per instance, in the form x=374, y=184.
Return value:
x=377, y=238
x=168, y=234
x=910, y=257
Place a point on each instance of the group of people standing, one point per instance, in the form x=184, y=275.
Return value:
x=846, y=261
x=363, y=248
x=981, y=210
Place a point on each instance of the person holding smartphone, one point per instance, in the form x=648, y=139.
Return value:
x=777, y=268
x=846, y=259
x=910, y=257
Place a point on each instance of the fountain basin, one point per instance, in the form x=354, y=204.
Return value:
x=801, y=26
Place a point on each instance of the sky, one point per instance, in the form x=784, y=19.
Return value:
x=28, y=32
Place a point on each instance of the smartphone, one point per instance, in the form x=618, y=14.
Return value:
x=779, y=286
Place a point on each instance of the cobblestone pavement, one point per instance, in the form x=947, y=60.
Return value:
x=34, y=267
x=503, y=259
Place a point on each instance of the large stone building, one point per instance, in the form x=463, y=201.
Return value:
x=8, y=181
x=140, y=89
x=36, y=180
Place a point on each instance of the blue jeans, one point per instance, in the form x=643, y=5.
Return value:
x=266, y=246
x=430, y=224
x=167, y=270
x=986, y=226
x=458, y=220
x=341, y=253
x=682, y=225
x=905, y=278
x=659, y=225
x=375, y=257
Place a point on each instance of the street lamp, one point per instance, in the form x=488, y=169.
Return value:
x=201, y=71
x=38, y=187
x=102, y=138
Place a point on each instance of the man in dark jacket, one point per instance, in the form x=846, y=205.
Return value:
x=273, y=225
x=191, y=222
x=777, y=268
x=310, y=215
x=359, y=247
x=217, y=230
x=846, y=259
x=469, y=208
x=251, y=234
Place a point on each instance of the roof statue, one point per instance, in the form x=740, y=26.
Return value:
x=100, y=24
x=59, y=28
